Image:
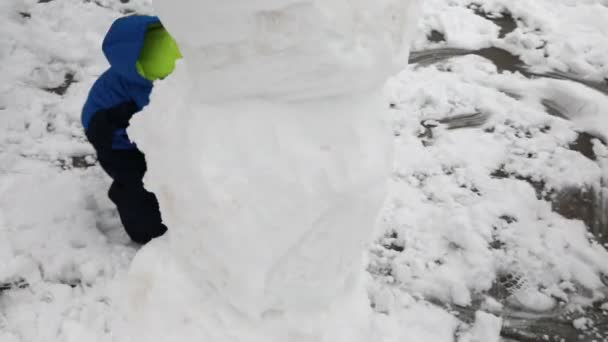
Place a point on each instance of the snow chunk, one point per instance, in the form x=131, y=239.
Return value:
x=533, y=300
x=492, y=305
x=486, y=329
x=582, y=323
x=466, y=30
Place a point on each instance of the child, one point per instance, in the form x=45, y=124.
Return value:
x=140, y=51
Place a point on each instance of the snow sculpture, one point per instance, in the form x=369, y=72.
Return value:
x=269, y=156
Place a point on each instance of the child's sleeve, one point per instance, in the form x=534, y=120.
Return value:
x=105, y=122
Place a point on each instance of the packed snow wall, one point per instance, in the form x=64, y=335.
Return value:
x=269, y=153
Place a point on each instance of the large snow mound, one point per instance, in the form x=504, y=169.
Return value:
x=265, y=199
x=269, y=153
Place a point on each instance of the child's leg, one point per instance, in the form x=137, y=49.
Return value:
x=138, y=210
x=137, y=207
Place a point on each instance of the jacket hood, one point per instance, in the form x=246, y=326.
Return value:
x=123, y=42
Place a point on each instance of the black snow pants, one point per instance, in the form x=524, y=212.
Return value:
x=137, y=207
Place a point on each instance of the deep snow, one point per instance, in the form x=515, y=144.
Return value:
x=465, y=226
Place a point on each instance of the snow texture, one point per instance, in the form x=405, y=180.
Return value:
x=471, y=218
x=486, y=329
x=289, y=49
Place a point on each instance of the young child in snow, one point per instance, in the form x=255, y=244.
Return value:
x=140, y=51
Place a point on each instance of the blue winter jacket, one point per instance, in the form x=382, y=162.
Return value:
x=121, y=83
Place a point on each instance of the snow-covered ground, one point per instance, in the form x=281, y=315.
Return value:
x=481, y=226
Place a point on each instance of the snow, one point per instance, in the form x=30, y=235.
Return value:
x=486, y=328
x=265, y=188
x=561, y=35
x=262, y=231
x=492, y=305
x=465, y=221
x=582, y=323
x=465, y=29
x=60, y=237
x=289, y=49
x=448, y=208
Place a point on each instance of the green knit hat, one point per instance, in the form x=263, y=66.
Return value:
x=158, y=54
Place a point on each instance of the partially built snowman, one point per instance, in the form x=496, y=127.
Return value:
x=269, y=153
